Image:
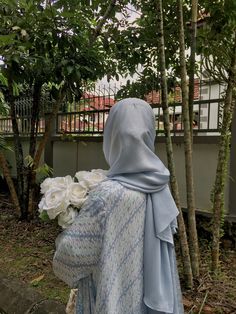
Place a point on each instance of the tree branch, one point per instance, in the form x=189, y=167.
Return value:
x=98, y=29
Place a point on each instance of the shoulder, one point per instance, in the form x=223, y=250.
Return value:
x=103, y=192
x=110, y=191
x=97, y=198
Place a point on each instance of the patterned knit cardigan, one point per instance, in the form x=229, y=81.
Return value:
x=101, y=254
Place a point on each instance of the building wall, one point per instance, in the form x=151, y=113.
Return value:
x=209, y=112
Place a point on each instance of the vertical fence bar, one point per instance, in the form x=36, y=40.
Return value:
x=174, y=121
x=199, y=116
x=209, y=106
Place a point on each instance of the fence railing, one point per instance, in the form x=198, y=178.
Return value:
x=89, y=115
x=24, y=125
x=207, y=119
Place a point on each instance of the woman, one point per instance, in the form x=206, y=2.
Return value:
x=119, y=252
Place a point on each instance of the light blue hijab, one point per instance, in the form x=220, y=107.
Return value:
x=128, y=146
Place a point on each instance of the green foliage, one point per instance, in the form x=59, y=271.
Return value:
x=216, y=38
x=3, y=144
x=51, y=44
x=4, y=108
x=139, y=88
x=44, y=216
x=3, y=80
x=42, y=171
x=146, y=83
x=135, y=46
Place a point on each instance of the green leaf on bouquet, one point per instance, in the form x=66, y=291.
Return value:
x=44, y=216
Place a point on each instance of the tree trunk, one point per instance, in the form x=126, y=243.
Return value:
x=35, y=117
x=46, y=134
x=31, y=177
x=194, y=248
x=222, y=163
x=20, y=167
x=10, y=183
x=169, y=149
x=194, y=10
x=40, y=150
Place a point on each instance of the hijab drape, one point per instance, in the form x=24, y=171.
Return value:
x=129, y=138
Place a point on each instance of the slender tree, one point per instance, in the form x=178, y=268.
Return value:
x=169, y=149
x=19, y=157
x=194, y=14
x=194, y=248
x=223, y=158
x=217, y=44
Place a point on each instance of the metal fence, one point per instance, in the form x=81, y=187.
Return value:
x=23, y=107
x=88, y=116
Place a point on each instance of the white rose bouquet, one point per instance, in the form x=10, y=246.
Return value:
x=64, y=196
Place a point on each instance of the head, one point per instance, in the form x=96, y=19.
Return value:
x=129, y=137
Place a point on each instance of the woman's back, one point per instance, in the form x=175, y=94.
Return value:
x=105, y=247
x=120, y=284
x=122, y=240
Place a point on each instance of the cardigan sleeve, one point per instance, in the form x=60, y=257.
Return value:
x=78, y=247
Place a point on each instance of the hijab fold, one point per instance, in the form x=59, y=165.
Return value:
x=128, y=146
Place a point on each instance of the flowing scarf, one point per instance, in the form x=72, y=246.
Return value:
x=128, y=146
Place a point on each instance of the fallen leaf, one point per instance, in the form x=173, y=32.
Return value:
x=36, y=281
x=187, y=303
x=208, y=310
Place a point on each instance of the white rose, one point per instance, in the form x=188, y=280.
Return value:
x=77, y=193
x=67, y=217
x=54, y=201
x=45, y=185
x=101, y=171
x=91, y=179
x=41, y=204
x=82, y=175
x=50, y=183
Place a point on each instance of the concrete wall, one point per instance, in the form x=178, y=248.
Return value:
x=10, y=155
x=204, y=165
x=69, y=157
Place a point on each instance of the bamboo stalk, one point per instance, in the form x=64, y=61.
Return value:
x=169, y=149
x=194, y=248
x=194, y=11
x=222, y=162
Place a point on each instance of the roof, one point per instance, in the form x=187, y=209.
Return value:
x=93, y=102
